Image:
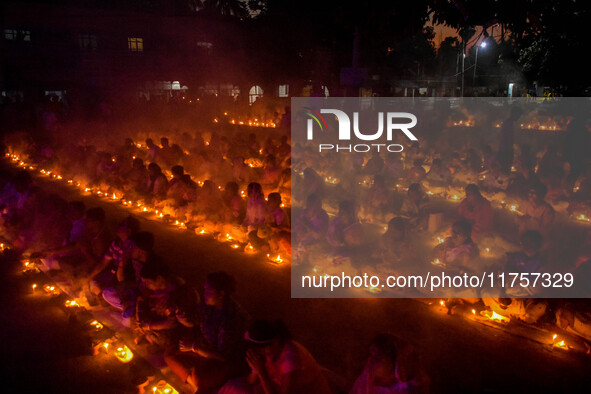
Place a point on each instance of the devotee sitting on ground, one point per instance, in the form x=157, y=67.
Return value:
x=377, y=202
x=153, y=150
x=123, y=294
x=537, y=214
x=478, y=211
x=136, y=180
x=104, y=274
x=271, y=173
x=392, y=367
x=392, y=169
x=278, y=364
x=76, y=259
x=155, y=307
x=256, y=207
x=240, y=170
x=415, y=206
x=416, y=173
x=374, y=165
x=438, y=174
x=458, y=251
x=311, y=225
x=166, y=155
x=177, y=191
x=312, y=183
x=345, y=230
x=520, y=183
x=213, y=352
x=528, y=260
x=495, y=180
x=233, y=208
x=157, y=183
x=395, y=246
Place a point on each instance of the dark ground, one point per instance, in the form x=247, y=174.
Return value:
x=42, y=354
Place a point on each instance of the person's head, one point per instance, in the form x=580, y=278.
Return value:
x=231, y=189
x=270, y=161
x=461, y=232
x=219, y=287
x=155, y=276
x=415, y=192
x=95, y=219
x=254, y=190
x=76, y=210
x=396, y=229
x=208, y=187
x=164, y=142
x=127, y=228
x=472, y=193
x=268, y=337
x=143, y=244
x=138, y=163
x=531, y=242
x=313, y=203
x=436, y=163
x=274, y=200
x=154, y=169
x=149, y=142
x=177, y=171
x=537, y=193
x=346, y=211
x=417, y=162
x=383, y=359
x=129, y=142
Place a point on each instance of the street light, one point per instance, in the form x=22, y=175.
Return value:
x=482, y=45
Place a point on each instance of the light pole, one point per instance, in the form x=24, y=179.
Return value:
x=482, y=45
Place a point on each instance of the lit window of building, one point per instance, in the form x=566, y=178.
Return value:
x=254, y=93
x=283, y=91
x=135, y=44
x=87, y=41
x=10, y=34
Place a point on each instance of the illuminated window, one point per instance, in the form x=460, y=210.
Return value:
x=283, y=91
x=135, y=44
x=14, y=35
x=254, y=93
x=324, y=91
x=87, y=41
x=10, y=34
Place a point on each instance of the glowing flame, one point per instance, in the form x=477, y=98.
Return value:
x=97, y=325
x=123, y=354
x=276, y=260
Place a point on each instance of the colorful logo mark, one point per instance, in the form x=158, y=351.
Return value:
x=317, y=117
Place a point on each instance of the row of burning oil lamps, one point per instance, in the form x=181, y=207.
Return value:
x=524, y=126
x=493, y=316
x=112, y=345
x=273, y=258
x=457, y=197
x=251, y=122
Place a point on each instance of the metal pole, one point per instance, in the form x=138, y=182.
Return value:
x=475, y=63
x=463, y=61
